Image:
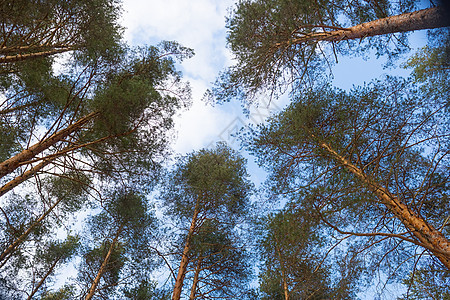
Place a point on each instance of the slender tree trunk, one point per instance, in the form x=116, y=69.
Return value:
x=27, y=56
x=429, y=18
x=195, y=282
x=36, y=288
x=5, y=50
x=184, y=258
x=103, y=267
x=425, y=233
x=12, y=163
x=25, y=176
x=283, y=271
x=24, y=235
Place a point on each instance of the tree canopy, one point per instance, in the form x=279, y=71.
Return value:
x=282, y=44
x=94, y=204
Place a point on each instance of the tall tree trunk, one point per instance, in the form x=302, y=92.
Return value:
x=27, y=56
x=12, y=50
x=184, y=258
x=12, y=163
x=429, y=18
x=24, y=235
x=195, y=281
x=103, y=267
x=41, y=282
x=283, y=271
x=25, y=176
x=425, y=233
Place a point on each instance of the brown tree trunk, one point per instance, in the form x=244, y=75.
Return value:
x=103, y=267
x=429, y=18
x=27, y=56
x=425, y=233
x=25, y=176
x=184, y=258
x=12, y=50
x=24, y=235
x=195, y=282
x=12, y=163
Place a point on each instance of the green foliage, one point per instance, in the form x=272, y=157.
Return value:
x=261, y=35
x=94, y=259
x=430, y=66
x=88, y=26
x=134, y=94
x=290, y=245
x=64, y=293
x=216, y=179
x=127, y=226
x=209, y=190
x=389, y=129
x=428, y=283
x=224, y=269
x=146, y=290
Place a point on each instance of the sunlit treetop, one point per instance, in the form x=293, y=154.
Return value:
x=284, y=44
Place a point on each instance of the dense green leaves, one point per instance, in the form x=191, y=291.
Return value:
x=216, y=179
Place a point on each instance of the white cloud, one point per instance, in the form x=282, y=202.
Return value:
x=198, y=24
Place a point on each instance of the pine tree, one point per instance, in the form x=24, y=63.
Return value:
x=36, y=29
x=205, y=185
x=118, y=253
x=360, y=159
x=282, y=44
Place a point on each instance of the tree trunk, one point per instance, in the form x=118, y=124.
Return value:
x=12, y=163
x=283, y=272
x=36, y=288
x=24, y=235
x=425, y=233
x=184, y=258
x=11, y=50
x=25, y=176
x=27, y=56
x=429, y=18
x=102, y=269
x=195, y=282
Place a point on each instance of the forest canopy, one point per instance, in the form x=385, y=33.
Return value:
x=357, y=187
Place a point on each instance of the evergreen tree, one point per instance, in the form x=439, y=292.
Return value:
x=359, y=159
x=291, y=263
x=205, y=185
x=281, y=44
x=36, y=29
x=218, y=265
x=47, y=261
x=118, y=252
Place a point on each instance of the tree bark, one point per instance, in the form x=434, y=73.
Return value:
x=19, y=57
x=425, y=233
x=12, y=50
x=102, y=269
x=195, y=282
x=184, y=258
x=13, y=163
x=429, y=18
